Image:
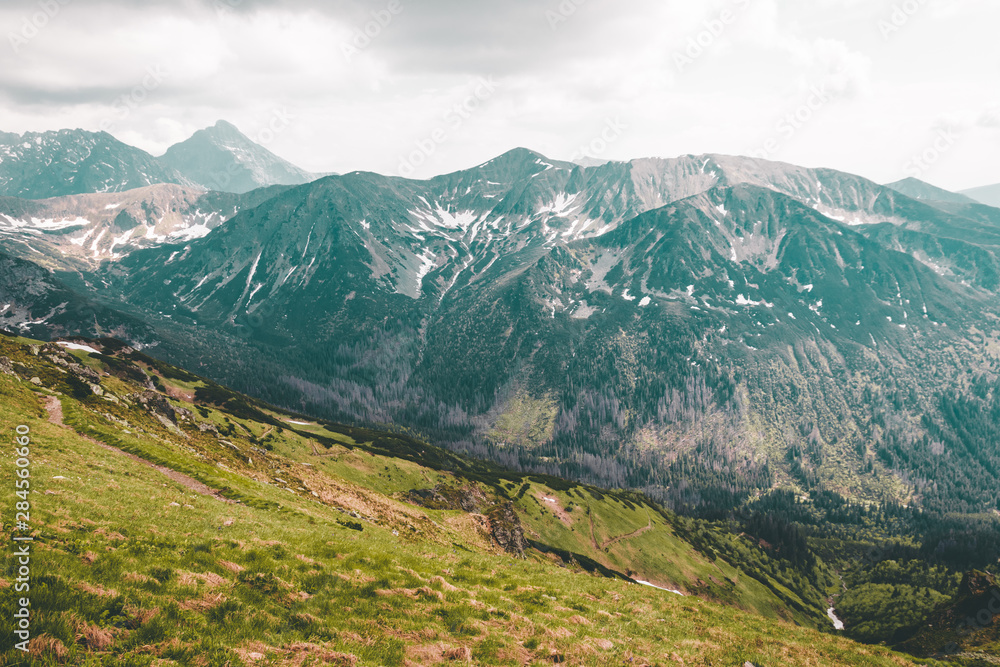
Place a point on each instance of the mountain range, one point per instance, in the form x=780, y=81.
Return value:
x=42, y=165
x=623, y=323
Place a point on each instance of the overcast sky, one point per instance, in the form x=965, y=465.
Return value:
x=860, y=85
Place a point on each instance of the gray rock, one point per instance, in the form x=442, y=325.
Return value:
x=506, y=530
x=87, y=374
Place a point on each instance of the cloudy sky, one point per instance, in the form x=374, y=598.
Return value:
x=884, y=88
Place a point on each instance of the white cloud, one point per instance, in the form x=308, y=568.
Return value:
x=558, y=87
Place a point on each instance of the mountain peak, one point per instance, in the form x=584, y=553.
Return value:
x=518, y=154
x=520, y=162
x=223, y=129
x=222, y=158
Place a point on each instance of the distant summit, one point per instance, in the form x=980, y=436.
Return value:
x=917, y=189
x=988, y=194
x=223, y=159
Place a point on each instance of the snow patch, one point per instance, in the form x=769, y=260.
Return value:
x=562, y=205
x=77, y=346
x=427, y=263
x=659, y=588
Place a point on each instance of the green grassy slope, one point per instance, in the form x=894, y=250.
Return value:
x=258, y=541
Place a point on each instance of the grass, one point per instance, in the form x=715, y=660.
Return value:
x=133, y=568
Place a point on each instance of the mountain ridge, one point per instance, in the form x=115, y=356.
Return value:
x=42, y=165
x=987, y=194
x=917, y=189
x=533, y=310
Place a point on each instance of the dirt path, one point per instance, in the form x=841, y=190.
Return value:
x=316, y=452
x=634, y=533
x=593, y=538
x=54, y=408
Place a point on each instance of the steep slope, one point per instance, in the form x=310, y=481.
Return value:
x=221, y=158
x=35, y=302
x=71, y=162
x=738, y=328
x=266, y=534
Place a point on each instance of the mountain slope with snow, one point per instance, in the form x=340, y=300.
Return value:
x=70, y=162
x=89, y=228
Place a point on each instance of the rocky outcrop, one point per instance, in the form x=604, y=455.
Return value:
x=500, y=520
x=444, y=497
x=6, y=367
x=505, y=528
x=159, y=405
x=976, y=583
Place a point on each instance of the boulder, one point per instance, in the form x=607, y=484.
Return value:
x=505, y=528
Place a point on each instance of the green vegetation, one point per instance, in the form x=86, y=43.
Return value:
x=268, y=544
